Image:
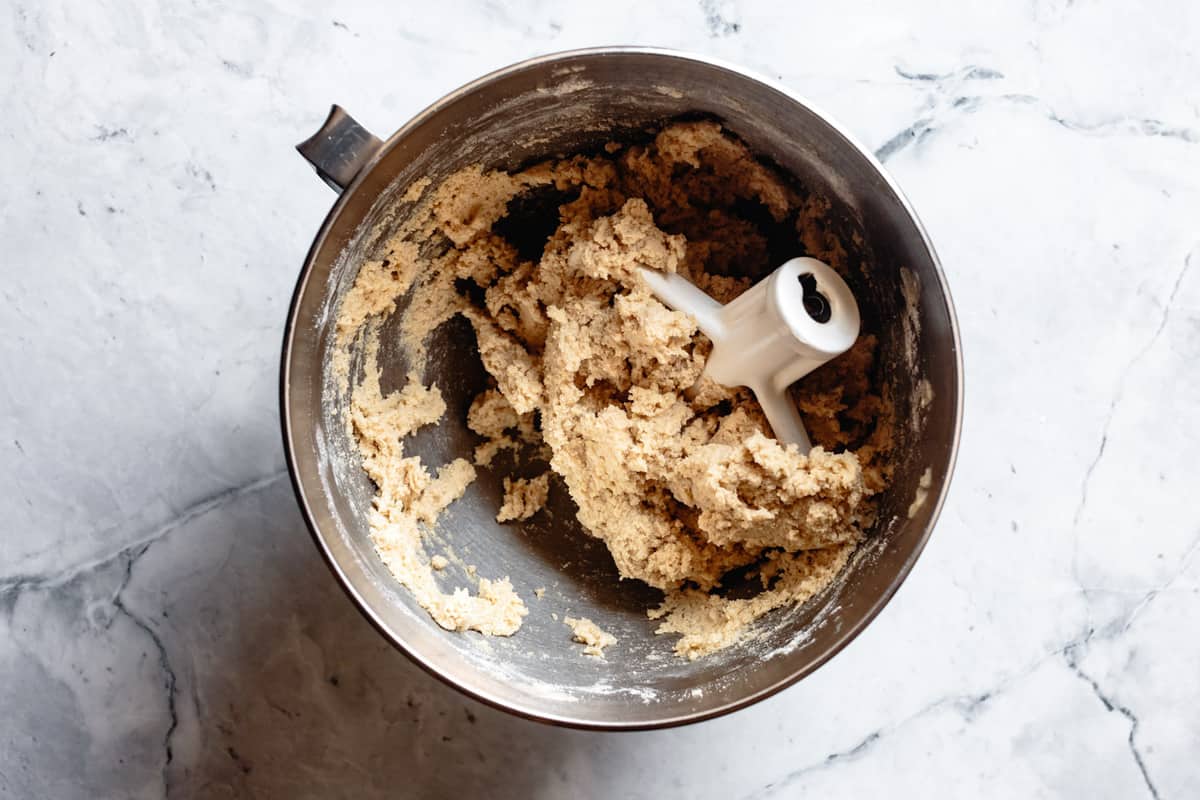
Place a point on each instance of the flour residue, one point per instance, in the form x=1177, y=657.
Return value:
x=922, y=494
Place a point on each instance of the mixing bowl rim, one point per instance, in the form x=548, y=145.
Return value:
x=528, y=711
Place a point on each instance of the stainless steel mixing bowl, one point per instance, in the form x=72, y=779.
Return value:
x=558, y=105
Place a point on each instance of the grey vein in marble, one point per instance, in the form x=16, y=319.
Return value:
x=1119, y=393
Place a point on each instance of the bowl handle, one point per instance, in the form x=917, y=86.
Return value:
x=340, y=149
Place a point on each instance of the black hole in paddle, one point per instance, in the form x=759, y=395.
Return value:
x=815, y=303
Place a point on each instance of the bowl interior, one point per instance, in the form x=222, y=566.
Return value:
x=558, y=106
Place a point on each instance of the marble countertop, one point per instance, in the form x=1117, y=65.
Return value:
x=166, y=626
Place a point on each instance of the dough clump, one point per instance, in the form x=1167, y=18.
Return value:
x=680, y=477
x=589, y=634
x=523, y=497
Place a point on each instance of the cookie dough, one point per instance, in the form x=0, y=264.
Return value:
x=680, y=477
x=523, y=497
x=589, y=634
x=407, y=496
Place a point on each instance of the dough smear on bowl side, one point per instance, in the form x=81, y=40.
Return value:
x=682, y=481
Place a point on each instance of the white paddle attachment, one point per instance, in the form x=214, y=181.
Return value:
x=799, y=317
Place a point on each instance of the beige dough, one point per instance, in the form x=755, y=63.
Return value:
x=407, y=495
x=523, y=497
x=682, y=481
x=589, y=634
